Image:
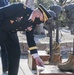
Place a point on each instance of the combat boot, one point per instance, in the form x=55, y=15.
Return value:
x=55, y=48
x=55, y=58
x=68, y=65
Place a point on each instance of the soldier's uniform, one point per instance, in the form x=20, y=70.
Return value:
x=14, y=18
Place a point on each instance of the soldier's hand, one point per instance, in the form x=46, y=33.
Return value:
x=36, y=14
x=39, y=61
x=29, y=28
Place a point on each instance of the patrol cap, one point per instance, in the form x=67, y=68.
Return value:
x=45, y=13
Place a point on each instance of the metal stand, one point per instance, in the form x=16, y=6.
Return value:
x=73, y=46
x=50, y=44
x=57, y=31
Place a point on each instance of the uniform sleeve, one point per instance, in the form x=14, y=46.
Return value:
x=31, y=41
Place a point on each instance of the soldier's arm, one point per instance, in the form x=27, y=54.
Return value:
x=31, y=42
x=33, y=48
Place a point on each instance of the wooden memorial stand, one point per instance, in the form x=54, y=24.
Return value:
x=43, y=55
x=51, y=70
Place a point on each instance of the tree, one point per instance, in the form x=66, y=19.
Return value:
x=45, y=3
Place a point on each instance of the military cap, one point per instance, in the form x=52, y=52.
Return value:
x=69, y=7
x=45, y=13
x=56, y=8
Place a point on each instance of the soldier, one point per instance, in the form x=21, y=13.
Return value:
x=22, y=18
x=69, y=64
